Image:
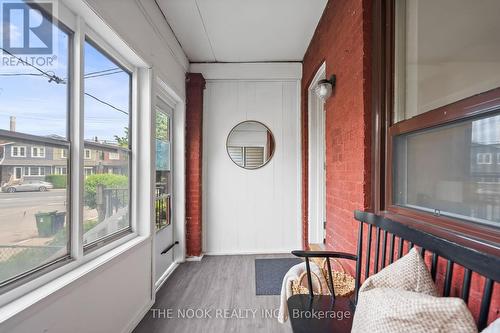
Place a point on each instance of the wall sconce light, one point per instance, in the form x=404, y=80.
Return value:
x=324, y=87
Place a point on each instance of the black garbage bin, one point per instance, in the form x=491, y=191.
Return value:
x=58, y=221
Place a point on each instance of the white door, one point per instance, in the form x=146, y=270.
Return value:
x=251, y=211
x=164, y=238
x=316, y=160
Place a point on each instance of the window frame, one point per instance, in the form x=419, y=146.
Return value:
x=81, y=21
x=94, y=39
x=482, y=161
x=18, y=150
x=38, y=149
x=23, y=278
x=114, y=156
x=85, y=151
x=27, y=277
x=58, y=170
x=37, y=173
x=384, y=88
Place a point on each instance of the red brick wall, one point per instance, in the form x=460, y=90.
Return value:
x=195, y=84
x=342, y=39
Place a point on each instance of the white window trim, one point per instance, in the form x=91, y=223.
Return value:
x=114, y=156
x=484, y=158
x=87, y=21
x=18, y=150
x=38, y=149
x=85, y=151
x=39, y=168
x=58, y=170
x=64, y=153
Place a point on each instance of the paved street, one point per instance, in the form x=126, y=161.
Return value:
x=17, y=214
x=11, y=200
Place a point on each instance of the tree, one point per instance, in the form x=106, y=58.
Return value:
x=123, y=140
x=107, y=181
x=162, y=127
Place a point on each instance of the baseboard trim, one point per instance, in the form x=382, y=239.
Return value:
x=165, y=276
x=198, y=258
x=135, y=321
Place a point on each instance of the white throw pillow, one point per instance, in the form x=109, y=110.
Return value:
x=403, y=298
x=408, y=273
x=494, y=327
x=385, y=310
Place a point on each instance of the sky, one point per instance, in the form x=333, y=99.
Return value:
x=41, y=107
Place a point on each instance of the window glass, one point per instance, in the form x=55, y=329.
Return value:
x=106, y=209
x=107, y=99
x=107, y=146
x=33, y=102
x=440, y=61
x=163, y=168
x=34, y=219
x=34, y=215
x=450, y=171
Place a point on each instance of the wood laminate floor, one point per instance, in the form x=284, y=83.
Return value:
x=221, y=291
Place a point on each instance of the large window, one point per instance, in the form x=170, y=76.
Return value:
x=64, y=191
x=107, y=139
x=449, y=171
x=446, y=50
x=34, y=201
x=440, y=116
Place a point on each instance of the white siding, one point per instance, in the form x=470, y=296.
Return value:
x=251, y=211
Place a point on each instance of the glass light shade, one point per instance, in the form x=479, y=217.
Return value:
x=324, y=90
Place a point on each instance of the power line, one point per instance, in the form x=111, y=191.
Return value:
x=106, y=103
x=87, y=76
x=58, y=80
x=20, y=74
x=103, y=74
x=103, y=71
x=52, y=78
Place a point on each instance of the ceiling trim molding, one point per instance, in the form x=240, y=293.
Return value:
x=205, y=30
x=249, y=71
x=171, y=41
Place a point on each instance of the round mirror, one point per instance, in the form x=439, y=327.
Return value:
x=250, y=144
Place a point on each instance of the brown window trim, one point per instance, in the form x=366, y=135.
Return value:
x=484, y=238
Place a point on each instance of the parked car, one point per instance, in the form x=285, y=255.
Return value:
x=28, y=186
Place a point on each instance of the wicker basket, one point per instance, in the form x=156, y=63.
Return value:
x=298, y=286
x=343, y=283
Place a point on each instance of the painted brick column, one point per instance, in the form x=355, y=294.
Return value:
x=195, y=84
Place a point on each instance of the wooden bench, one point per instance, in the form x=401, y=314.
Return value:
x=322, y=313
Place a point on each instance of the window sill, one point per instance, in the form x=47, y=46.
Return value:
x=22, y=303
x=435, y=226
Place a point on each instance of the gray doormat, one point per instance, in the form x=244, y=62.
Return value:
x=269, y=274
